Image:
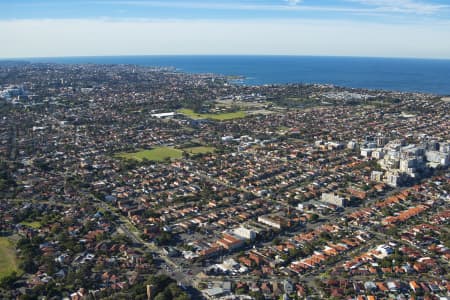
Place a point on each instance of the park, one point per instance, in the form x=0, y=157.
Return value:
x=161, y=154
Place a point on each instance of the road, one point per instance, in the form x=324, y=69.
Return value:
x=131, y=231
x=185, y=275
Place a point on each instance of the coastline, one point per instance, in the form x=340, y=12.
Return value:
x=387, y=74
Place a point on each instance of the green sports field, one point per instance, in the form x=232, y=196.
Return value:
x=199, y=150
x=34, y=224
x=156, y=154
x=217, y=117
x=8, y=261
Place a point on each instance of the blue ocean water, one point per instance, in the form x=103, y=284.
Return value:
x=406, y=75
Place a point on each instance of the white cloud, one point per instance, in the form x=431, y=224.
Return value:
x=217, y=5
x=404, y=6
x=293, y=2
x=32, y=38
x=379, y=7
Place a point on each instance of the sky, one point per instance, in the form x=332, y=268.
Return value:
x=372, y=28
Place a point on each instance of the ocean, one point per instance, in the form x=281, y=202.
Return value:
x=393, y=74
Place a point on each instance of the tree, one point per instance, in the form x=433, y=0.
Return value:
x=183, y=296
x=28, y=265
x=159, y=282
x=185, y=155
x=165, y=288
x=164, y=295
x=314, y=217
x=257, y=295
x=7, y=282
x=165, y=238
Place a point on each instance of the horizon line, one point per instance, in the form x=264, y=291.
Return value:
x=219, y=55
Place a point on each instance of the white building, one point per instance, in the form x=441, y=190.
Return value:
x=333, y=199
x=352, y=145
x=384, y=250
x=164, y=115
x=366, y=152
x=378, y=154
x=244, y=233
x=273, y=221
x=438, y=158
x=376, y=176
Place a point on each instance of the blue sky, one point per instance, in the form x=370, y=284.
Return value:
x=393, y=28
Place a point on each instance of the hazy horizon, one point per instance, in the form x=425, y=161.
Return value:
x=356, y=28
x=38, y=58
